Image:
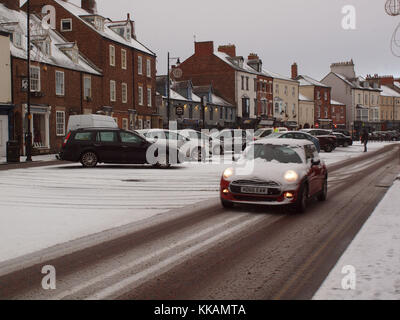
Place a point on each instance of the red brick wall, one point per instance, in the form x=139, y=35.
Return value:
x=72, y=102
x=96, y=48
x=338, y=114
x=268, y=95
x=208, y=69
x=321, y=102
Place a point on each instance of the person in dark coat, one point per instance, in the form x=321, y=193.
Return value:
x=364, y=140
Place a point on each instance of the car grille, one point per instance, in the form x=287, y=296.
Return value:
x=255, y=183
x=274, y=189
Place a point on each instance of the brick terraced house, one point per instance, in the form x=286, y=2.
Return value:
x=61, y=77
x=129, y=68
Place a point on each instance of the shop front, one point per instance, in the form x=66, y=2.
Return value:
x=6, y=127
x=40, y=125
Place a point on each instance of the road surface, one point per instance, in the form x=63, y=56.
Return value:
x=206, y=252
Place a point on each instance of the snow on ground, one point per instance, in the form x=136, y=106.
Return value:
x=45, y=157
x=374, y=255
x=44, y=206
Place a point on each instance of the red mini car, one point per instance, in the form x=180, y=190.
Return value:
x=276, y=172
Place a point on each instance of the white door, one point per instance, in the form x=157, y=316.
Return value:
x=3, y=135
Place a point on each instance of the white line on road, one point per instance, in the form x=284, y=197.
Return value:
x=144, y=259
x=103, y=294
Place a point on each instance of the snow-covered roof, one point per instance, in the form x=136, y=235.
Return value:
x=220, y=101
x=108, y=32
x=176, y=96
x=308, y=81
x=304, y=98
x=389, y=92
x=336, y=103
x=353, y=82
x=276, y=75
x=57, y=56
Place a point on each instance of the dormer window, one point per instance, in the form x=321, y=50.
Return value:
x=128, y=33
x=71, y=50
x=99, y=23
x=17, y=39
x=44, y=45
x=96, y=21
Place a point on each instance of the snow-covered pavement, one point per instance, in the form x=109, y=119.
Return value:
x=44, y=206
x=370, y=267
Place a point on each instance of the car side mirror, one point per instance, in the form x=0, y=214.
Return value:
x=236, y=157
x=315, y=162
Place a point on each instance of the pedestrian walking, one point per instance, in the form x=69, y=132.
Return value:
x=364, y=140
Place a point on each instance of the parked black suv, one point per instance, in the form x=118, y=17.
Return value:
x=106, y=145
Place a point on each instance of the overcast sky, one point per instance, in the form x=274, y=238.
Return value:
x=306, y=31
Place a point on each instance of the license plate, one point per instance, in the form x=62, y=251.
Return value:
x=254, y=190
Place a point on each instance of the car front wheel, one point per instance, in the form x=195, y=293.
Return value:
x=301, y=204
x=89, y=159
x=227, y=204
x=324, y=192
x=329, y=148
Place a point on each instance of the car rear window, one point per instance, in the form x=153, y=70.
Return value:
x=83, y=136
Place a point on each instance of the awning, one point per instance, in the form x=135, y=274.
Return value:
x=360, y=106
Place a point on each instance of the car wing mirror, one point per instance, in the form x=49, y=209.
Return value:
x=315, y=162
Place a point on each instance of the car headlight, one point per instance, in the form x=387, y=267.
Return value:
x=228, y=173
x=291, y=176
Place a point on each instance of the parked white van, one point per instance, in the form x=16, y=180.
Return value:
x=90, y=121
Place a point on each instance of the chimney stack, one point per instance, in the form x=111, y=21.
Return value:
x=11, y=4
x=294, y=71
x=89, y=5
x=229, y=49
x=205, y=48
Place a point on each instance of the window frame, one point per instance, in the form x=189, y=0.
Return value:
x=148, y=68
x=61, y=25
x=149, y=97
x=140, y=65
x=112, y=55
x=84, y=87
x=123, y=59
x=124, y=93
x=113, y=95
x=140, y=95
x=36, y=80
x=58, y=72
x=60, y=133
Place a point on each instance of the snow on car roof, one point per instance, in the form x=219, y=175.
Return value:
x=285, y=142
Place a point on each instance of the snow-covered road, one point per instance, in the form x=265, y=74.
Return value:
x=45, y=206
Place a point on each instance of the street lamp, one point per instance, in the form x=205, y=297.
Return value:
x=169, y=85
x=28, y=135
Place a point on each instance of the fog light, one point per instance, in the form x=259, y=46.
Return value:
x=289, y=195
x=225, y=191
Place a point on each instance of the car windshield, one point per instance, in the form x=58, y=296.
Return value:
x=270, y=152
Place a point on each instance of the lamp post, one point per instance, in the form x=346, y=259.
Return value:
x=169, y=86
x=28, y=135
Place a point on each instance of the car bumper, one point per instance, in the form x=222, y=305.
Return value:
x=278, y=200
